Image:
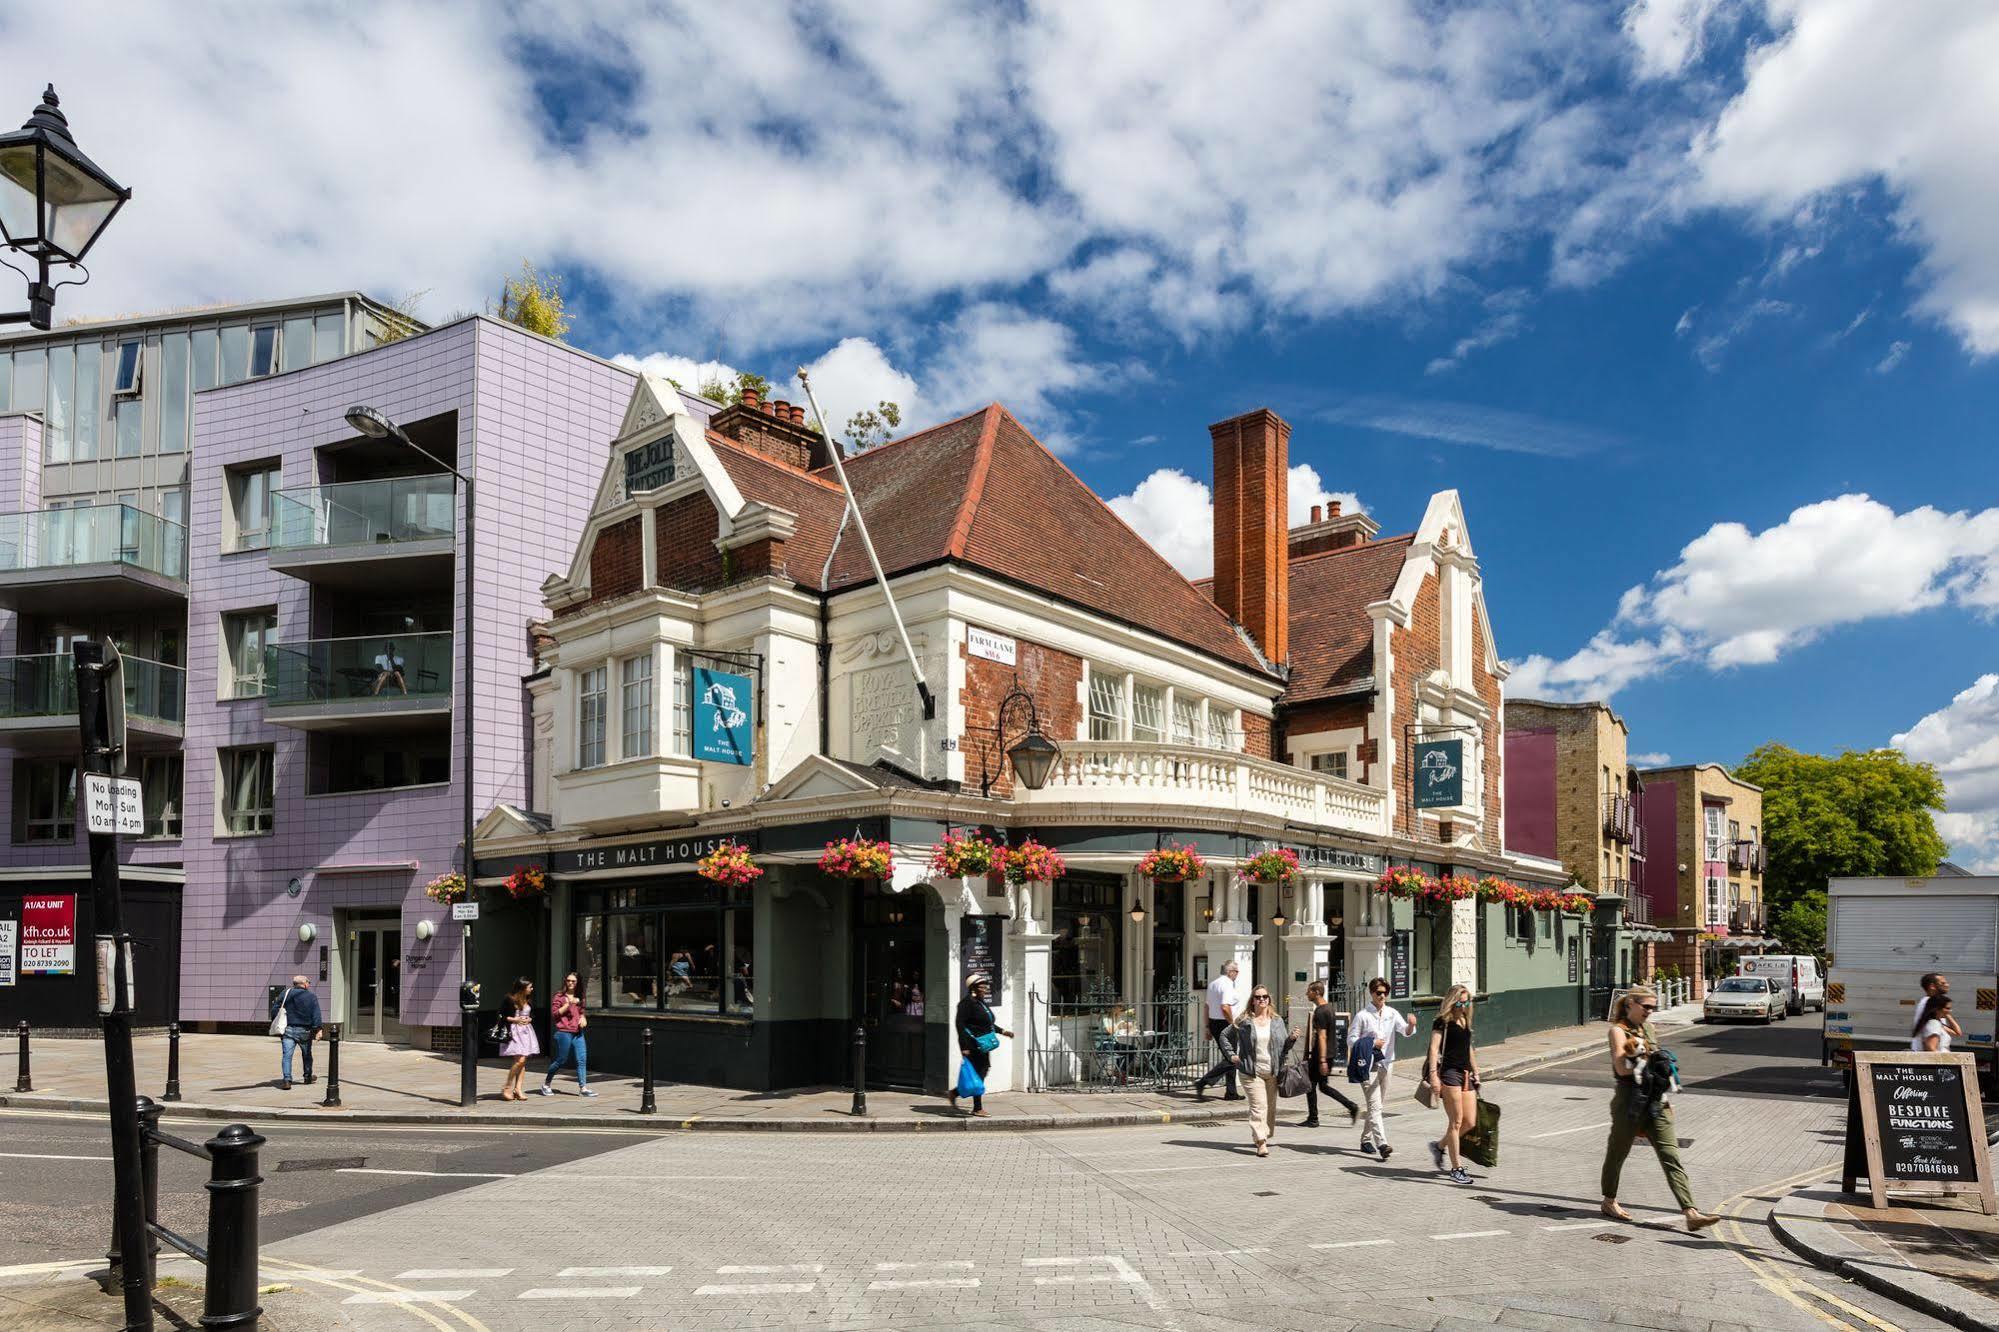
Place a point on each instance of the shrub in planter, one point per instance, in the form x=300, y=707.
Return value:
x=961, y=856
x=729, y=865
x=857, y=858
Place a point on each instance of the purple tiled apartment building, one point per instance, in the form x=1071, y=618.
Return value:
x=300, y=647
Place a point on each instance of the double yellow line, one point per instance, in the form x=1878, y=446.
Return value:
x=1773, y=1277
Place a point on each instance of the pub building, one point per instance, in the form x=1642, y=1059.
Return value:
x=722, y=664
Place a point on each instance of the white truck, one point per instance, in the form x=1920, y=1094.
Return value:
x=1883, y=935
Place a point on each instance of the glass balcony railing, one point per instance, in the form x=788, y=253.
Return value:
x=341, y=670
x=101, y=534
x=363, y=513
x=45, y=686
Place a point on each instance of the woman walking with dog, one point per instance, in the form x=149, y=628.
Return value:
x=1640, y=1106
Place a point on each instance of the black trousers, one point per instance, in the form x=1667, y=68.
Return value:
x=1317, y=1085
x=1224, y=1066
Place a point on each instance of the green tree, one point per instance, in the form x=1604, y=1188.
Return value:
x=875, y=426
x=1800, y=926
x=533, y=300
x=719, y=390
x=1857, y=813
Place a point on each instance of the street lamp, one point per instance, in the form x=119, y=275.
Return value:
x=375, y=424
x=1032, y=759
x=54, y=203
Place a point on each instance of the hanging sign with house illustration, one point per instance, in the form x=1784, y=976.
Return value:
x=1440, y=773
x=724, y=705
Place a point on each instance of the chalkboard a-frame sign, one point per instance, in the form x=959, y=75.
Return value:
x=1915, y=1124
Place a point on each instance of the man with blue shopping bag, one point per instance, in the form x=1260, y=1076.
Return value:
x=978, y=1036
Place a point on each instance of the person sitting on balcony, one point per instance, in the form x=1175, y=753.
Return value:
x=389, y=668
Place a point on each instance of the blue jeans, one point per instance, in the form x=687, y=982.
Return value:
x=569, y=1044
x=301, y=1039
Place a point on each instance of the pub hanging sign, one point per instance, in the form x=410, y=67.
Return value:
x=1440, y=774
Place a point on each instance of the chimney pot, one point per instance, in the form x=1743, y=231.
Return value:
x=1315, y=514
x=1334, y=511
x=797, y=414
x=751, y=397
x=781, y=409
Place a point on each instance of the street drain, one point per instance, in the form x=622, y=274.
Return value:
x=1611, y=1239
x=324, y=1163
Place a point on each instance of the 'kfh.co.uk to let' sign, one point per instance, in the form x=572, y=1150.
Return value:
x=48, y=935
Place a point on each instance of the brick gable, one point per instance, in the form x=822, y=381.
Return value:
x=617, y=562
x=1053, y=679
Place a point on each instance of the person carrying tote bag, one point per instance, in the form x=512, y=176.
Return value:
x=979, y=1035
x=1257, y=1044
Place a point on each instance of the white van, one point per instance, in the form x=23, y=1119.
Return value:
x=1797, y=974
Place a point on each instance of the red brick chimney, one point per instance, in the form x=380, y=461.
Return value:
x=1252, y=495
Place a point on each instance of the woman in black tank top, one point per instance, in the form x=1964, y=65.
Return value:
x=1453, y=1074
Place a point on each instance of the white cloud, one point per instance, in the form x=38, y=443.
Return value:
x=1000, y=353
x=1856, y=92
x=1176, y=513
x=1708, y=351
x=1655, y=759
x=1468, y=423
x=1962, y=740
x=685, y=371
x=853, y=377
x=1505, y=319
x=1666, y=34
x=1896, y=352
x=1742, y=598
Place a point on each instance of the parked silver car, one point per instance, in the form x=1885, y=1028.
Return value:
x=1744, y=997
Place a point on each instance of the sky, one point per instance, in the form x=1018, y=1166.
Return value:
x=1696, y=302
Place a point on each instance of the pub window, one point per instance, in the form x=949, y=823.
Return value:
x=667, y=947
x=1148, y=713
x=1169, y=935
x=1188, y=726
x=590, y=702
x=1221, y=727
x=1086, y=956
x=1332, y=764
x=1106, y=706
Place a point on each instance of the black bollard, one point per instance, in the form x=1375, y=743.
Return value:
x=646, y=1105
x=172, y=1093
x=860, y=1106
x=22, y=1082
x=231, y=1299
x=332, y=1101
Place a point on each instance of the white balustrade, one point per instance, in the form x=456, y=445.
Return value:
x=1138, y=773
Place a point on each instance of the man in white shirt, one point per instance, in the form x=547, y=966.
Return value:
x=1224, y=1002
x=1379, y=1024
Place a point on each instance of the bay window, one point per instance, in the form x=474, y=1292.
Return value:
x=590, y=706
x=636, y=688
x=1148, y=713
x=1188, y=723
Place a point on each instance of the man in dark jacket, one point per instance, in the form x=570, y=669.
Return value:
x=302, y=1022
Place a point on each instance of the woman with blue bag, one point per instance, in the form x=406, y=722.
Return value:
x=978, y=1036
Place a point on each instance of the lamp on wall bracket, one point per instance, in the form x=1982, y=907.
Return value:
x=1137, y=911
x=1032, y=759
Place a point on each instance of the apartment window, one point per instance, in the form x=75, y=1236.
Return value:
x=1715, y=910
x=682, y=739
x=173, y=507
x=263, y=350
x=201, y=369
x=590, y=718
x=125, y=370
x=160, y=779
x=44, y=800
x=1188, y=728
x=295, y=349
x=31, y=378
x=173, y=393
x=636, y=685
x=249, y=790
x=1734, y=830
x=6, y=381
x=234, y=346
x=1333, y=764
x=89, y=398
x=126, y=418
x=250, y=506
x=1713, y=820
x=246, y=641
x=327, y=339
x=1106, y=707
x=61, y=411
x=1148, y=713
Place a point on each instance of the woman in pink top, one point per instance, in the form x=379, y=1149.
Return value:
x=565, y=1011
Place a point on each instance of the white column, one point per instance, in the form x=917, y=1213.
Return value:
x=1367, y=933
x=1029, y=973
x=1464, y=944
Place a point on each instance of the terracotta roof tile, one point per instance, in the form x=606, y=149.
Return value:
x=1332, y=638
x=817, y=503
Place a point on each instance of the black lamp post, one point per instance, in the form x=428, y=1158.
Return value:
x=1032, y=759
x=375, y=424
x=54, y=203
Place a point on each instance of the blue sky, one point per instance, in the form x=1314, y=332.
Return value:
x=1665, y=289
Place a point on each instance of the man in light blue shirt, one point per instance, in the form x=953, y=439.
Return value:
x=1380, y=1024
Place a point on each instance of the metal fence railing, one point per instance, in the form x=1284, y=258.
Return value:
x=1098, y=1041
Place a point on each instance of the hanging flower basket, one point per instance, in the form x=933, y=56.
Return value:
x=1031, y=862
x=962, y=856
x=857, y=858
x=448, y=887
x=1172, y=864
x=525, y=881
x=1402, y=881
x=1492, y=888
x=1273, y=865
x=1578, y=903
x=1449, y=888
x=729, y=865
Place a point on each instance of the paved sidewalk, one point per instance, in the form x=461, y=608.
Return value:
x=233, y=1077
x=1940, y=1255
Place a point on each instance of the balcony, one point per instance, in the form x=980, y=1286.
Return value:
x=110, y=557
x=377, y=682
x=1637, y=841
x=1618, y=820
x=1127, y=776
x=38, y=702
x=357, y=533
x=1744, y=918
x=1749, y=857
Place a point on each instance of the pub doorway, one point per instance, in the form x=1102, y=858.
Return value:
x=893, y=994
